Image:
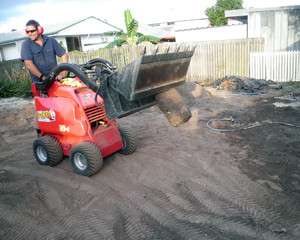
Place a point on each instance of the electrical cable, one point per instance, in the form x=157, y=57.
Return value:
x=232, y=121
x=257, y=124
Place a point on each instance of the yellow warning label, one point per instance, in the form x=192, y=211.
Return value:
x=46, y=116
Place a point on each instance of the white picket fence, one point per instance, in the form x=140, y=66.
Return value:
x=276, y=66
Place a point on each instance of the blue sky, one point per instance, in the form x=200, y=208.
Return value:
x=15, y=13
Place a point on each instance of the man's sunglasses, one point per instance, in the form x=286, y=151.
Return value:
x=30, y=31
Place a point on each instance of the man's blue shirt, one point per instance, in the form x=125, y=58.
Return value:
x=43, y=57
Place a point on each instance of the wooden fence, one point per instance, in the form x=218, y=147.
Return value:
x=8, y=68
x=211, y=60
x=276, y=66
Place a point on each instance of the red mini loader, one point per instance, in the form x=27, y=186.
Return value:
x=76, y=116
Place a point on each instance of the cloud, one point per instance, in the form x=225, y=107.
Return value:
x=13, y=8
x=15, y=13
x=52, y=11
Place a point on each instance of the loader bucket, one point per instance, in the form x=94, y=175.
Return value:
x=151, y=74
x=135, y=86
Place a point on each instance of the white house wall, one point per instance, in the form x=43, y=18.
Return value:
x=212, y=33
x=94, y=42
x=280, y=28
x=10, y=52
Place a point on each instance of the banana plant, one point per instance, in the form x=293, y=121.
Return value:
x=132, y=37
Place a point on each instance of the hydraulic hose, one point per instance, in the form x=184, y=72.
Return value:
x=67, y=67
x=96, y=61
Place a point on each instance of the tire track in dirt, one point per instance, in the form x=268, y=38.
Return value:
x=133, y=224
x=173, y=209
x=164, y=204
x=26, y=224
x=78, y=224
x=133, y=194
x=247, y=205
x=258, y=213
x=59, y=177
x=75, y=224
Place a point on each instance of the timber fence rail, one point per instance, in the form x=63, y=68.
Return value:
x=276, y=66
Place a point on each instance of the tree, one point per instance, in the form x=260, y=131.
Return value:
x=132, y=37
x=216, y=14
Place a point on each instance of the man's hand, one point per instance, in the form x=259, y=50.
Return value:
x=60, y=77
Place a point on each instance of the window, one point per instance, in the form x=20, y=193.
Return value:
x=74, y=43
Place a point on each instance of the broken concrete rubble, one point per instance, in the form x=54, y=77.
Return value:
x=244, y=84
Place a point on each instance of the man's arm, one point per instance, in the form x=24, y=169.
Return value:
x=64, y=59
x=32, y=68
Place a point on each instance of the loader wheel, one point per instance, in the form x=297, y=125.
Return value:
x=86, y=159
x=48, y=151
x=129, y=138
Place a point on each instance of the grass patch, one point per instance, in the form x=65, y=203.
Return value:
x=291, y=84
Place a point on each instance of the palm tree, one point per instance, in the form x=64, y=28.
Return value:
x=132, y=37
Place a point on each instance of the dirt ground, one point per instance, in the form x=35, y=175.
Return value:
x=186, y=182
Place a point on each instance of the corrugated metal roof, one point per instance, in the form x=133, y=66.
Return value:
x=152, y=31
x=12, y=36
x=245, y=12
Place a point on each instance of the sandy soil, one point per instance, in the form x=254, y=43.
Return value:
x=186, y=182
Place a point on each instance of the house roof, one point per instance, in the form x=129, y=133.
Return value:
x=155, y=31
x=52, y=29
x=245, y=12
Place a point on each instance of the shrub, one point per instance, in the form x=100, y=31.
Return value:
x=23, y=87
x=7, y=88
x=19, y=87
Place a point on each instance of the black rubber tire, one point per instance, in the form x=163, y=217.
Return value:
x=86, y=159
x=129, y=138
x=48, y=151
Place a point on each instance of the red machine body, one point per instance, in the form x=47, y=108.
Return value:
x=71, y=116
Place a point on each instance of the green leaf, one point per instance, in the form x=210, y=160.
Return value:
x=118, y=43
x=148, y=38
x=132, y=36
x=128, y=20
